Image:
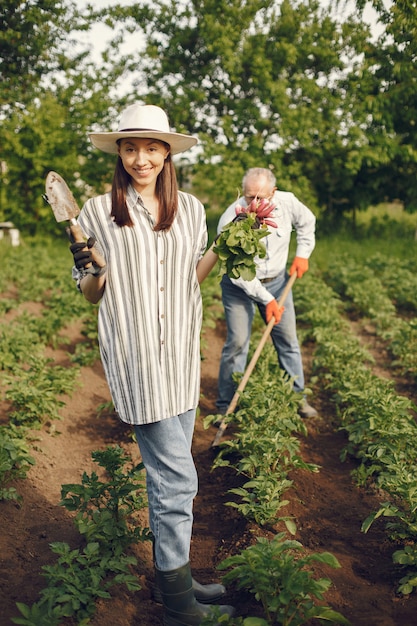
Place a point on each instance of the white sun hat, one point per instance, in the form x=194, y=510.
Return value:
x=147, y=121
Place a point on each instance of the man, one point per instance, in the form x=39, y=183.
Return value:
x=239, y=296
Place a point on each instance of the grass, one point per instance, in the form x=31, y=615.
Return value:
x=391, y=210
x=386, y=229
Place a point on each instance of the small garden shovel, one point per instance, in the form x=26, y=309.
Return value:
x=59, y=196
x=249, y=369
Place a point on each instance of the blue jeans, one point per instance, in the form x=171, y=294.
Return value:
x=239, y=311
x=172, y=483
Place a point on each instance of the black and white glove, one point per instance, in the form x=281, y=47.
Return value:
x=84, y=260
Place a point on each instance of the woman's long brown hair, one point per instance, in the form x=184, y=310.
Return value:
x=166, y=191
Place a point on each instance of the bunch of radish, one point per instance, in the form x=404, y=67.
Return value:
x=239, y=244
x=262, y=207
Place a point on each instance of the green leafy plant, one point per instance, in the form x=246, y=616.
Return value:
x=281, y=579
x=380, y=424
x=106, y=517
x=237, y=247
x=15, y=460
x=33, y=390
x=106, y=508
x=17, y=341
x=407, y=558
x=75, y=582
x=87, y=352
x=264, y=447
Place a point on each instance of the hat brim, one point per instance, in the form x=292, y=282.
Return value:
x=177, y=142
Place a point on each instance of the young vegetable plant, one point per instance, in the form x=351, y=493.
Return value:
x=75, y=582
x=380, y=425
x=15, y=460
x=282, y=580
x=107, y=508
x=106, y=511
x=33, y=390
x=264, y=448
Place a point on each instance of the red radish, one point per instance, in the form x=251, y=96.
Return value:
x=261, y=207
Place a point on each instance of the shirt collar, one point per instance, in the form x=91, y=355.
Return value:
x=132, y=195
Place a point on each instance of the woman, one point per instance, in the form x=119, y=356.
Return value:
x=152, y=238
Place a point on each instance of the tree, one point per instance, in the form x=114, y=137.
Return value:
x=47, y=126
x=30, y=43
x=388, y=84
x=259, y=83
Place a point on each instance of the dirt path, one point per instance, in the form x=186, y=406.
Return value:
x=328, y=508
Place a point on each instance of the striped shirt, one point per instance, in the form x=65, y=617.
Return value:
x=150, y=314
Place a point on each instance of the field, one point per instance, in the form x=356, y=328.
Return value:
x=328, y=506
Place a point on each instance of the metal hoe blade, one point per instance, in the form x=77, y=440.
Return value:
x=60, y=198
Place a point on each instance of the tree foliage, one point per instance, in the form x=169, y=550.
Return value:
x=29, y=44
x=388, y=84
x=47, y=115
x=282, y=84
x=261, y=83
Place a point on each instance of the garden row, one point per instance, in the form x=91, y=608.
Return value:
x=385, y=293
x=33, y=385
x=380, y=434
x=379, y=423
x=278, y=572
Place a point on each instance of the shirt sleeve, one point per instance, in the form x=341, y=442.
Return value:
x=304, y=222
x=227, y=217
x=254, y=289
x=84, y=223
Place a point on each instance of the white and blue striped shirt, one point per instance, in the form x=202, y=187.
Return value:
x=150, y=313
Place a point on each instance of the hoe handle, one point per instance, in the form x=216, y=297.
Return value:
x=249, y=369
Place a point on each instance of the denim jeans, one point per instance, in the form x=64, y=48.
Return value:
x=239, y=312
x=172, y=483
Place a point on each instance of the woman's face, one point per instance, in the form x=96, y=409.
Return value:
x=143, y=160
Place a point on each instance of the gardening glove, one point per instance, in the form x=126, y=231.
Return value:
x=83, y=257
x=299, y=265
x=274, y=310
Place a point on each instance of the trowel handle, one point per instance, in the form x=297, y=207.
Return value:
x=76, y=235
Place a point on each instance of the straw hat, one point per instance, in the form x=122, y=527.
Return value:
x=146, y=121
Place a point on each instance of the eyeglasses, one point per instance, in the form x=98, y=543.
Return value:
x=257, y=197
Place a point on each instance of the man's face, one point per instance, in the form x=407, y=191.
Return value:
x=258, y=187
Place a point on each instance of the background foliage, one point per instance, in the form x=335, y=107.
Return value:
x=294, y=85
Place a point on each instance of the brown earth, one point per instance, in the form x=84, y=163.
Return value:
x=327, y=506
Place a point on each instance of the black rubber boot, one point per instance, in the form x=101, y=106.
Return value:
x=180, y=606
x=206, y=594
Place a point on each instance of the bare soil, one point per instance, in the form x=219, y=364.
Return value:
x=328, y=508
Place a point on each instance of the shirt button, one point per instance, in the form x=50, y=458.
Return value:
x=161, y=261
x=161, y=289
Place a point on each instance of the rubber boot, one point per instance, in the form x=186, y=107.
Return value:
x=180, y=606
x=206, y=594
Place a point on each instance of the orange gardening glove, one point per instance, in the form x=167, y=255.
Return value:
x=274, y=310
x=299, y=265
